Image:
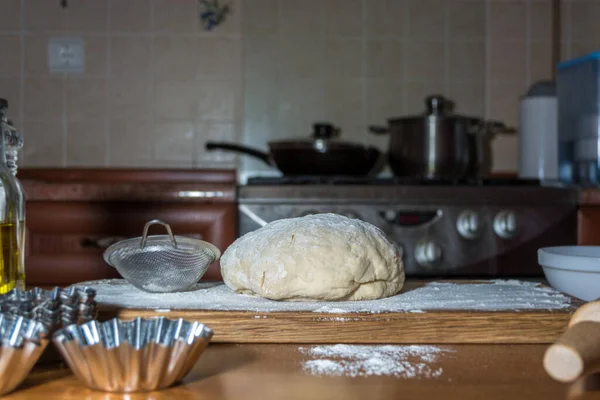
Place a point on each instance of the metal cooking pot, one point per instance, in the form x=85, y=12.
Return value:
x=439, y=144
x=322, y=154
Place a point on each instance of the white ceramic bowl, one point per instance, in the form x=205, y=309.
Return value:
x=574, y=270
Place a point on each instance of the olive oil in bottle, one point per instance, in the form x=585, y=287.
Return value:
x=13, y=142
x=9, y=257
x=11, y=202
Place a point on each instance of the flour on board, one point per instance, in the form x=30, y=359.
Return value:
x=494, y=295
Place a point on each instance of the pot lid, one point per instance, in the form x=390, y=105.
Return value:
x=325, y=136
x=436, y=106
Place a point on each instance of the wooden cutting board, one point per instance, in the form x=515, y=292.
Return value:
x=434, y=324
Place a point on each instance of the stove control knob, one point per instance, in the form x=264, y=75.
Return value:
x=468, y=224
x=428, y=254
x=505, y=225
x=390, y=215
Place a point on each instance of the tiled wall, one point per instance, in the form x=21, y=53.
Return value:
x=157, y=86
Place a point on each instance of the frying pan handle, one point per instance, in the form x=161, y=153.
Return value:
x=264, y=156
x=379, y=130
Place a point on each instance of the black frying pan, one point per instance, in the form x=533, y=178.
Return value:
x=319, y=156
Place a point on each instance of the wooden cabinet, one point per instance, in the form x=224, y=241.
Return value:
x=72, y=218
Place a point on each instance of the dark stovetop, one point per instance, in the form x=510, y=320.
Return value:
x=350, y=180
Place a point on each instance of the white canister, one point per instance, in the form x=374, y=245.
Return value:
x=538, y=133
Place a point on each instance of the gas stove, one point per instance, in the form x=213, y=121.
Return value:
x=467, y=228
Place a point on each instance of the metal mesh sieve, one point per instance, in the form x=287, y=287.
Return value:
x=161, y=263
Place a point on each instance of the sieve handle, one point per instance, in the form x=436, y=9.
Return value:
x=159, y=222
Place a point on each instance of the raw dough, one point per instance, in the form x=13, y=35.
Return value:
x=317, y=257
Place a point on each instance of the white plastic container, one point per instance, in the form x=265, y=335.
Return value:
x=574, y=270
x=538, y=133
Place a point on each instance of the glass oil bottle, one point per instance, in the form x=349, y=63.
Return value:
x=13, y=143
x=10, y=202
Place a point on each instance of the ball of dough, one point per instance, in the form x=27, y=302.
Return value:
x=316, y=257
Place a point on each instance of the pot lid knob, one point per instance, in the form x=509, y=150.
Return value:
x=437, y=105
x=324, y=130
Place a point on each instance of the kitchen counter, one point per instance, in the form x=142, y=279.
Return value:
x=275, y=372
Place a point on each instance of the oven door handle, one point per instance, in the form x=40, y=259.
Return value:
x=248, y=213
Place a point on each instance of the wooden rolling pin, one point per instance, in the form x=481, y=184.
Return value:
x=577, y=352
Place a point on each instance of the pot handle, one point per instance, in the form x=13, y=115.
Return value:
x=378, y=129
x=261, y=155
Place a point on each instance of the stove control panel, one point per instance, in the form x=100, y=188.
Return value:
x=449, y=240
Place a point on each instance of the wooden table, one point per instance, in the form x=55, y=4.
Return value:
x=266, y=372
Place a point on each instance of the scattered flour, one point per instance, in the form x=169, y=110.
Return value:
x=354, y=360
x=495, y=295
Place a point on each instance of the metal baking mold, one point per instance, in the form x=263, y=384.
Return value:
x=140, y=355
x=22, y=342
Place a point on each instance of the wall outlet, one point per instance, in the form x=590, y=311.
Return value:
x=66, y=55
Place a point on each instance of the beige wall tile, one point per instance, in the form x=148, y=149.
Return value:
x=130, y=15
x=176, y=57
x=541, y=61
x=95, y=56
x=386, y=18
x=508, y=61
x=423, y=61
x=175, y=100
x=218, y=100
x=44, y=143
x=427, y=18
x=131, y=143
x=385, y=59
x=508, y=19
x=467, y=19
x=505, y=153
x=584, y=20
x=87, y=15
x=261, y=99
x=301, y=57
x=174, y=142
x=10, y=89
x=43, y=99
x=579, y=49
x=342, y=17
x=261, y=16
x=261, y=56
x=130, y=56
x=468, y=98
x=219, y=57
x=129, y=97
x=12, y=10
x=301, y=17
x=86, y=146
x=36, y=55
x=10, y=51
x=86, y=98
x=301, y=102
x=541, y=21
x=504, y=103
x=176, y=16
x=383, y=101
x=44, y=15
x=343, y=58
x=416, y=94
x=344, y=102
x=466, y=62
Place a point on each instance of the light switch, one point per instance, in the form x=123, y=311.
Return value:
x=66, y=55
